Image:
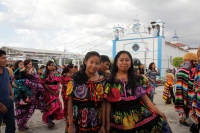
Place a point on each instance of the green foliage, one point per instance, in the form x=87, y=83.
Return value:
x=177, y=61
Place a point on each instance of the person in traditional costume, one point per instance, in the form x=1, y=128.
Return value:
x=194, y=113
x=184, y=87
x=67, y=73
x=51, y=82
x=168, y=93
x=35, y=89
x=86, y=104
x=128, y=109
x=20, y=75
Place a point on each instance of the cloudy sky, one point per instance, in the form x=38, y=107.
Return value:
x=82, y=25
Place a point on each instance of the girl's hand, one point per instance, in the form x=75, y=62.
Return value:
x=22, y=69
x=102, y=130
x=71, y=129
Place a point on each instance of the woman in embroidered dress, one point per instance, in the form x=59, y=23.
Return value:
x=51, y=82
x=128, y=109
x=168, y=93
x=24, y=112
x=86, y=106
x=67, y=73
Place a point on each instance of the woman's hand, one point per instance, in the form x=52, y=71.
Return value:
x=107, y=128
x=163, y=115
x=152, y=80
x=29, y=71
x=71, y=129
x=102, y=130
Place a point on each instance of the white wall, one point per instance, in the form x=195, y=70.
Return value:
x=168, y=51
x=193, y=50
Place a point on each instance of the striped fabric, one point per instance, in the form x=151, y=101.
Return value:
x=195, y=110
x=166, y=92
x=184, y=92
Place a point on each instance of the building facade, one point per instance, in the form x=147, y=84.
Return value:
x=146, y=46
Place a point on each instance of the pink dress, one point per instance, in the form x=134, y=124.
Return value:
x=53, y=104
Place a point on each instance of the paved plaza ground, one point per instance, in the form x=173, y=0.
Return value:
x=36, y=126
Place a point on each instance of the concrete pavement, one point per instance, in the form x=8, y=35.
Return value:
x=36, y=126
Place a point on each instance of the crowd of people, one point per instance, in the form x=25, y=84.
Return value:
x=97, y=98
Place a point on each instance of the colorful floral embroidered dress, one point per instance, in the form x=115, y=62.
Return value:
x=65, y=80
x=19, y=80
x=129, y=114
x=53, y=104
x=24, y=112
x=87, y=99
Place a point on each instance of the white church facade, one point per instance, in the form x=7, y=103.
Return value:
x=147, y=46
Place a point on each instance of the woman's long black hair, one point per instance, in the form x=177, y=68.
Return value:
x=47, y=72
x=66, y=69
x=16, y=65
x=150, y=65
x=131, y=76
x=81, y=77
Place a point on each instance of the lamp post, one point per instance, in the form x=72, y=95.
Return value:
x=153, y=26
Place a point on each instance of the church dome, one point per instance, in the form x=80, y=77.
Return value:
x=175, y=39
x=175, y=36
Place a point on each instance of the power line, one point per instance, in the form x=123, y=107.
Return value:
x=31, y=19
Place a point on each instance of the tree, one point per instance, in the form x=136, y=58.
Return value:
x=177, y=61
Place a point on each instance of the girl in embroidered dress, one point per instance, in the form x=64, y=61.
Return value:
x=168, y=93
x=51, y=82
x=128, y=109
x=67, y=73
x=20, y=75
x=86, y=106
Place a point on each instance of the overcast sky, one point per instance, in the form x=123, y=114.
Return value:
x=57, y=24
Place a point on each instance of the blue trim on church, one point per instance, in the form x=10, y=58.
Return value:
x=114, y=49
x=160, y=55
x=141, y=38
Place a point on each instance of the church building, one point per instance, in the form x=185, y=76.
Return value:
x=147, y=45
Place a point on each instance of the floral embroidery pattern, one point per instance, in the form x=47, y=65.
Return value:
x=99, y=91
x=83, y=121
x=127, y=119
x=93, y=117
x=81, y=91
x=69, y=88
